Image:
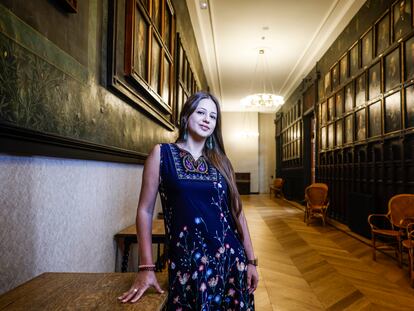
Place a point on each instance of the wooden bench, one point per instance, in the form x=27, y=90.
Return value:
x=128, y=236
x=81, y=291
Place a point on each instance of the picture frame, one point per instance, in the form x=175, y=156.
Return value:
x=166, y=80
x=186, y=82
x=349, y=129
x=155, y=64
x=179, y=103
x=375, y=119
x=409, y=59
x=401, y=18
x=185, y=73
x=331, y=135
x=392, y=70
x=331, y=108
x=409, y=106
x=141, y=69
x=339, y=103
x=360, y=125
x=366, y=47
x=383, y=34
x=156, y=7
x=374, y=81
x=339, y=133
x=141, y=55
x=327, y=83
x=335, y=76
x=354, y=59
x=360, y=90
x=323, y=137
x=324, y=112
x=349, y=96
x=168, y=36
x=309, y=99
x=343, y=69
x=392, y=112
x=321, y=89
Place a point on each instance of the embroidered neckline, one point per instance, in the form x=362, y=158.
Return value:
x=189, y=168
x=188, y=152
x=191, y=165
x=194, y=166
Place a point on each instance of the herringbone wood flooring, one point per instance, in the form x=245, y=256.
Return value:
x=318, y=268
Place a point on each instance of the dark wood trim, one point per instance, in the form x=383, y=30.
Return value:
x=19, y=141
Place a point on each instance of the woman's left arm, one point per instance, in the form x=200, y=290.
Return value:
x=252, y=275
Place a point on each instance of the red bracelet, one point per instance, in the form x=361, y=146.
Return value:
x=146, y=268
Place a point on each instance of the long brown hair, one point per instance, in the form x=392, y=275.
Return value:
x=217, y=155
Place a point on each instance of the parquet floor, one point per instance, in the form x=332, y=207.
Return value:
x=318, y=268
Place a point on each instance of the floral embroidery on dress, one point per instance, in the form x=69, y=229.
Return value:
x=207, y=262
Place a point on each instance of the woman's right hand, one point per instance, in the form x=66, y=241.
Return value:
x=142, y=282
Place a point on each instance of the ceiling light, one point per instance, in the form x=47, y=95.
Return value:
x=266, y=100
x=203, y=4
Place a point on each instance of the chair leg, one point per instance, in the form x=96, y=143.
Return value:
x=323, y=217
x=374, y=255
x=411, y=259
x=399, y=252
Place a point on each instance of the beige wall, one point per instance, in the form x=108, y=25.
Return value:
x=254, y=154
x=60, y=215
x=267, y=150
x=243, y=151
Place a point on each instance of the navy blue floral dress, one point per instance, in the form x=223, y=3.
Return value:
x=207, y=262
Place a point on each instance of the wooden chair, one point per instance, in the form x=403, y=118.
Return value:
x=277, y=187
x=408, y=244
x=393, y=226
x=317, y=202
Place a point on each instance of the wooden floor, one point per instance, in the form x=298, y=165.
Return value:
x=318, y=268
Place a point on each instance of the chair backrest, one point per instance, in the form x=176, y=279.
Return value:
x=278, y=182
x=317, y=193
x=401, y=206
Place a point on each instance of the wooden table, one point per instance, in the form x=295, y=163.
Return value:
x=81, y=291
x=127, y=236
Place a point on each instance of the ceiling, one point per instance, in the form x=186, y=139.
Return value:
x=294, y=34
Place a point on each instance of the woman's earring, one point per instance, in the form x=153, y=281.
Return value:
x=210, y=142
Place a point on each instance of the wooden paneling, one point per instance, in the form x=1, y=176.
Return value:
x=363, y=114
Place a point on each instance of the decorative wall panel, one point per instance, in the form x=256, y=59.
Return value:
x=364, y=118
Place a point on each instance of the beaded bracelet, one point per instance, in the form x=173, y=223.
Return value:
x=146, y=268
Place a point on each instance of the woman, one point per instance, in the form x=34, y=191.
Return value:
x=211, y=261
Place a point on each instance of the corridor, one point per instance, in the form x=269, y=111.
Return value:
x=316, y=268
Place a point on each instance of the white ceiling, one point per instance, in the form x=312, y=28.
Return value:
x=294, y=33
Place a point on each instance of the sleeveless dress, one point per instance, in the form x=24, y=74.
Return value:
x=207, y=264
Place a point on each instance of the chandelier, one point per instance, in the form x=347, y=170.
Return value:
x=266, y=100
